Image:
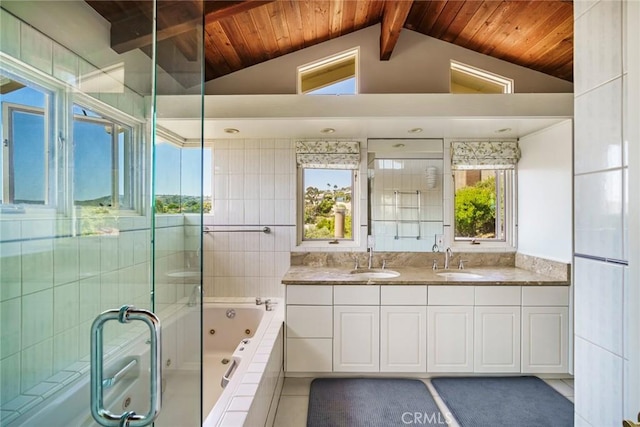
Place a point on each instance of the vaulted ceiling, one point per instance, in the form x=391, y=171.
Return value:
x=536, y=34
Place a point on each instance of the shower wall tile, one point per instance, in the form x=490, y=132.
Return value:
x=598, y=303
x=108, y=253
x=598, y=214
x=10, y=271
x=65, y=260
x=598, y=43
x=37, y=317
x=88, y=298
x=10, y=327
x=66, y=307
x=36, y=364
x=37, y=265
x=10, y=384
x=65, y=349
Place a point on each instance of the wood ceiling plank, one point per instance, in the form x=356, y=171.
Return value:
x=510, y=26
x=279, y=25
x=348, y=17
x=251, y=36
x=545, y=18
x=431, y=16
x=263, y=24
x=476, y=22
x=226, y=48
x=308, y=15
x=447, y=16
x=322, y=20
x=416, y=14
x=374, y=13
x=215, y=63
x=563, y=32
x=362, y=9
x=464, y=16
x=216, y=9
x=335, y=16
x=238, y=43
x=502, y=12
x=393, y=19
x=293, y=17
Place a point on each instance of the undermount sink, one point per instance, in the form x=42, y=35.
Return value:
x=458, y=275
x=375, y=273
x=183, y=274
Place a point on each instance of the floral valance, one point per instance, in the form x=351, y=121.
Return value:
x=484, y=154
x=328, y=154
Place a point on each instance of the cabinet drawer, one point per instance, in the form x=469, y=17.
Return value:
x=309, y=321
x=497, y=295
x=450, y=295
x=356, y=295
x=403, y=295
x=309, y=355
x=309, y=294
x=545, y=296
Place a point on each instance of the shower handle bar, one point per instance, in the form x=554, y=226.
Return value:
x=102, y=416
x=110, y=382
x=265, y=230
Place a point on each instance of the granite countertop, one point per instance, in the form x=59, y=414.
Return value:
x=504, y=276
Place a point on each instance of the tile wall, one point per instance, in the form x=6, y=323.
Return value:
x=253, y=187
x=601, y=203
x=407, y=177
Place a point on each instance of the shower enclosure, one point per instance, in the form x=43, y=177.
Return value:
x=99, y=209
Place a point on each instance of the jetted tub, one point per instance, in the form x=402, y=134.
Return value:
x=241, y=342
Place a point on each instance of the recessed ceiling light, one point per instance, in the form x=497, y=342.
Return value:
x=503, y=130
x=327, y=130
x=415, y=130
x=231, y=130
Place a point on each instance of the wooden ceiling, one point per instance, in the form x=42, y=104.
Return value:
x=536, y=34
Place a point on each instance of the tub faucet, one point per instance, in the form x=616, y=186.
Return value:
x=448, y=254
x=370, y=257
x=268, y=305
x=193, y=298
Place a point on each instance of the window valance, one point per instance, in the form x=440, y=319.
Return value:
x=484, y=154
x=328, y=154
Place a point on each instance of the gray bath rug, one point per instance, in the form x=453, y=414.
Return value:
x=371, y=402
x=504, y=401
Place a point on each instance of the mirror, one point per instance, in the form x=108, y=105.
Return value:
x=405, y=185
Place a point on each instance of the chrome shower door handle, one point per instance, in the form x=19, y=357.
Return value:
x=101, y=415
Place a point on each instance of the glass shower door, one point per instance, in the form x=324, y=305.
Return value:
x=80, y=229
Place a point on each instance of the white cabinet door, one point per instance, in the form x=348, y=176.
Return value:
x=450, y=339
x=545, y=339
x=403, y=335
x=497, y=339
x=308, y=355
x=356, y=338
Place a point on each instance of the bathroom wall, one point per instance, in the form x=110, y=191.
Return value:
x=414, y=57
x=606, y=133
x=253, y=187
x=545, y=195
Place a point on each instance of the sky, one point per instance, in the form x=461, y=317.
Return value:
x=319, y=178
x=345, y=87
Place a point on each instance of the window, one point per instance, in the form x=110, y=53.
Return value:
x=484, y=174
x=102, y=161
x=328, y=204
x=26, y=144
x=468, y=79
x=481, y=201
x=328, y=192
x=336, y=75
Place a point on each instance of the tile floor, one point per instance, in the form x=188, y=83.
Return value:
x=292, y=408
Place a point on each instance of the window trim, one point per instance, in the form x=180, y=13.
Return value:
x=326, y=62
x=478, y=73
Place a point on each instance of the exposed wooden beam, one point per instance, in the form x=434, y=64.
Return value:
x=174, y=18
x=393, y=17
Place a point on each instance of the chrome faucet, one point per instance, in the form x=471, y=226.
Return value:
x=193, y=298
x=448, y=254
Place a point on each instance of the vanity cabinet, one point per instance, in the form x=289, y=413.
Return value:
x=309, y=329
x=545, y=330
x=403, y=328
x=427, y=329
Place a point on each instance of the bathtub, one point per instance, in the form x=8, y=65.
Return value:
x=245, y=348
